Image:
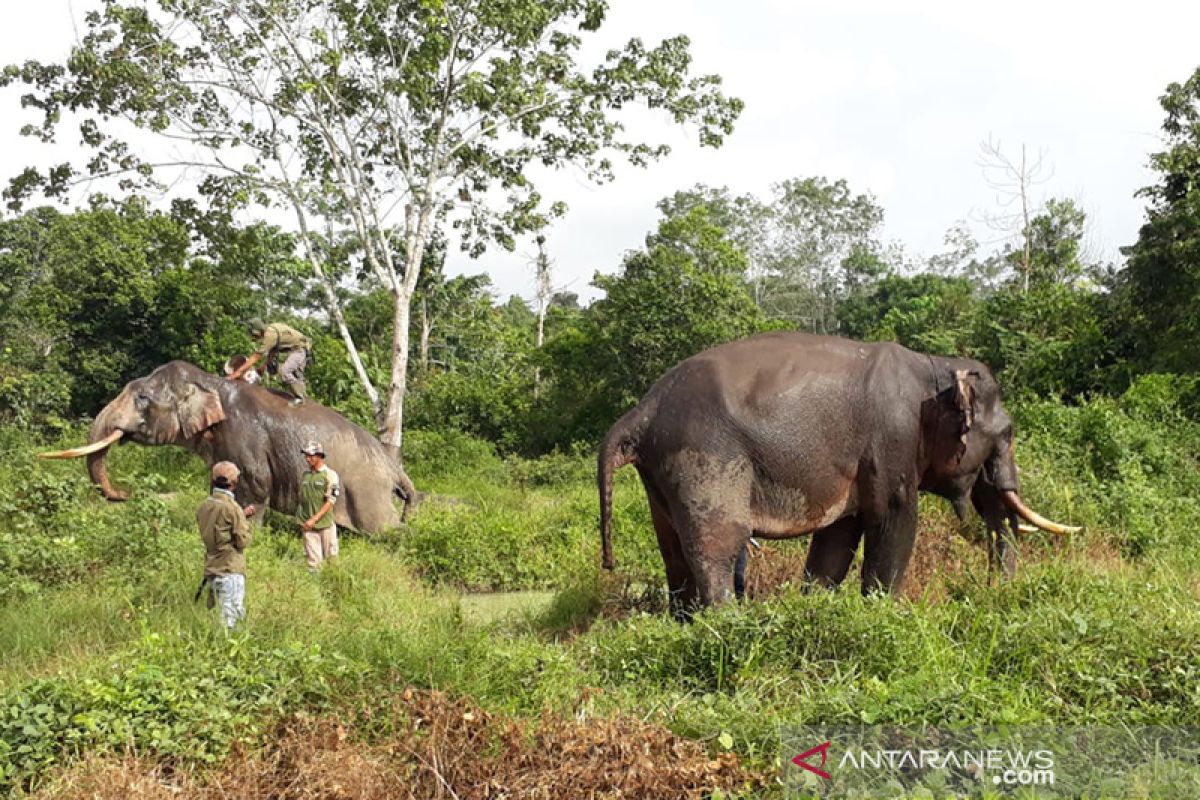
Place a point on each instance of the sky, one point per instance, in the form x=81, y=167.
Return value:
x=895, y=98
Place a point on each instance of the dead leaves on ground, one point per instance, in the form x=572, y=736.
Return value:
x=428, y=745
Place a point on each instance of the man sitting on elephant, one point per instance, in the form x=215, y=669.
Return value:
x=275, y=341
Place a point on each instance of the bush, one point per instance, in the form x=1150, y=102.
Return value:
x=34, y=400
x=449, y=452
x=181, y=702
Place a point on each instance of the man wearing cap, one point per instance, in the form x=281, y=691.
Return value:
x=226, y=535
x=283, y=342
x=319, y=491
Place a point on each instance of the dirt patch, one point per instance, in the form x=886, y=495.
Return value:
x=427, y=745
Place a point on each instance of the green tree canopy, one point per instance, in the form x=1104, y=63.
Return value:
x=683, y=293
x=1161, y=284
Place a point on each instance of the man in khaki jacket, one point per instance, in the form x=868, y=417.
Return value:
x=289, y=347
x=226, y=535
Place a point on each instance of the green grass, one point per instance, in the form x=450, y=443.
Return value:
x=104, y=649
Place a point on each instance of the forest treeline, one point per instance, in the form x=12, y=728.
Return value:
x=92, y=298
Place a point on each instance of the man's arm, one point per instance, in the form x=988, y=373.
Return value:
x=241, y=529
x=244, y=368
x=308, y=523
x=333, y=488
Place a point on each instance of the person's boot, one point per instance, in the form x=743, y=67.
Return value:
x=299, y=392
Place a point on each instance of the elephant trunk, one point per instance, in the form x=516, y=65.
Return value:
x=98, y=470
x=105, y=432
x=1013, y=501
x=107, y=425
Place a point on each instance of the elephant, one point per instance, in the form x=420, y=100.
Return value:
x=255, y=428
x=785, y=434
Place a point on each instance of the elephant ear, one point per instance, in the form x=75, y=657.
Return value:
x=199, y=409
x=964, y=401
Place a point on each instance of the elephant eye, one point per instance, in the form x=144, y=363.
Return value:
x=141, y=401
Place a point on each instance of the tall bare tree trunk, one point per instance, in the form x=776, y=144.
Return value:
x=391, y=432
x=426, y=330
x=542, y=264
x=335, y=311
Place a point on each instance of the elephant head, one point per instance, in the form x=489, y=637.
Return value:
x=175, y=404
x=972, y=460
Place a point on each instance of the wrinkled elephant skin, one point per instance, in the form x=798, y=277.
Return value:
x=786, y=434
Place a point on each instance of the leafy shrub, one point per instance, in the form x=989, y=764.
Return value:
x=576, y=466
x=449, y=452
x=34, y=400
x=178, y=701
x=57, y=531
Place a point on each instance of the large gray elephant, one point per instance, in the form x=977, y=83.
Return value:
x=258, y=430
x=786, y=434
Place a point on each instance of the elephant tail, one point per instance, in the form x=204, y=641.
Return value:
x=404, y=489
x=619, y=448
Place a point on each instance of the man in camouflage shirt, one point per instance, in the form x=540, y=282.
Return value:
x=283, y=342
x=226, y=535
x=319, y=491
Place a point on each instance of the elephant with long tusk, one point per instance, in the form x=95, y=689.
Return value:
x=788, y=434
x=255, y=428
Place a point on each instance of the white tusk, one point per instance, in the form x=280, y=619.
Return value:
x=86, y=449
x=1013, y=501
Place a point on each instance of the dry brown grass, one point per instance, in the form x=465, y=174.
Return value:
x=946, y=553
x=436, y=747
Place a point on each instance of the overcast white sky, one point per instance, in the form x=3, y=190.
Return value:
x=893, y=97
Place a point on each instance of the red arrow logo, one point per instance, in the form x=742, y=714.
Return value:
x=802, y=760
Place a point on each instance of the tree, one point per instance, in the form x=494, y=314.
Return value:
x=818, y=234
x=1013, y=182
x=542, y=268
x=806, y=249
x=384, y=117
x=927, y=312
x=682, y=294
x=1160, y=286
x=100, y=296
x=1055, y=243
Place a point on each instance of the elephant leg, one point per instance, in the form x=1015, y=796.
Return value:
x=1002, y=548
x=888, y=546
x=739, y=573
x=258, y=496
x=832, y=552
x=713, y=557
x=680, y=585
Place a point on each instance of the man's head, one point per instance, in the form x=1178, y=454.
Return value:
x=256, y=327
x=225, y=475
x=314, y=454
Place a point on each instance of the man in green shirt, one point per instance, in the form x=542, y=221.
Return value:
x=319, y=491
x=286, y=343
x=226, y=535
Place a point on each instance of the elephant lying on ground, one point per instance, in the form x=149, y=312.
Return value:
x=258, y=430
x=785, y=434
